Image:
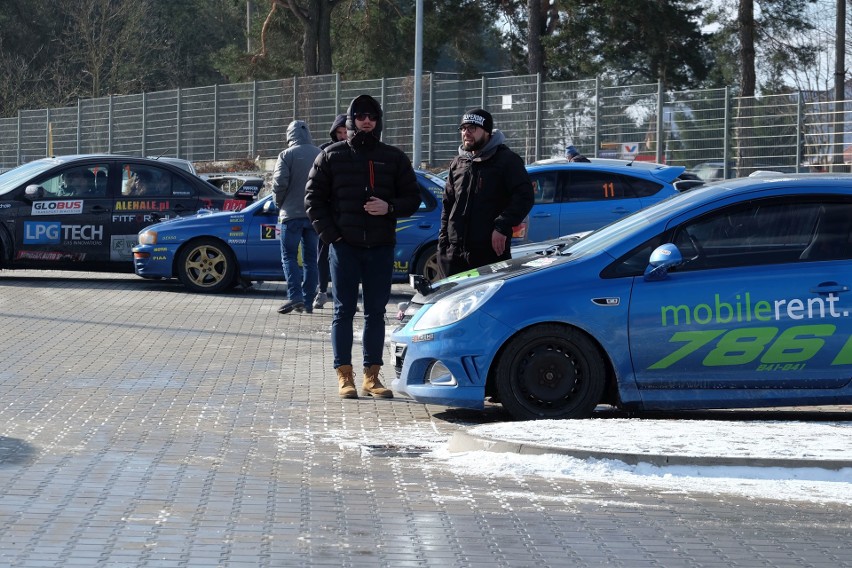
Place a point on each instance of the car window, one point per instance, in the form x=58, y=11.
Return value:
x=11, y=179
x=597, y=186
x=147, y=181
x=544, y=187
x=766, y=232
x=430, y=193
x=644, y=187
x=77, y=181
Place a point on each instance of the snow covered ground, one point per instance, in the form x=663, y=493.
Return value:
x=782, y=440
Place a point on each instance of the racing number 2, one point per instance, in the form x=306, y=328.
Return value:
x=740, y=346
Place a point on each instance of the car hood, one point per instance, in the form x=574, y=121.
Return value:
x=504, y=270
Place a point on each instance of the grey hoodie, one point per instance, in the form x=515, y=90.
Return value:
x=291, y=172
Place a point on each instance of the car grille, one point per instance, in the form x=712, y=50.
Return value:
x=398, y=357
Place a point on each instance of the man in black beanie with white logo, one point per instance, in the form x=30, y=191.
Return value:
x=356, y=191
x=487, y=193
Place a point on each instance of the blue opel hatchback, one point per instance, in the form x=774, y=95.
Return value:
x=571, y=197
x=211, y=252
x=734, y=294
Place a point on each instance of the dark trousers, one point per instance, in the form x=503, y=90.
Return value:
x=372, y=268
x=324, y=268
x=454, y=261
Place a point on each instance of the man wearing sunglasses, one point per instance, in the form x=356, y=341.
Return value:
x=355, y=193
x=487, y=193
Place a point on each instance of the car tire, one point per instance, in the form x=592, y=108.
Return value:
x=207, y=265
x=550, y=371
x=427, y=264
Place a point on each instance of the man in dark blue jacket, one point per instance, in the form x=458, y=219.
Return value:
x=337, y=133
x=488, y=192
x=355, y=193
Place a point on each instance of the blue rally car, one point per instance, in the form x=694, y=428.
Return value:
x=735, y=294
x=212, y=252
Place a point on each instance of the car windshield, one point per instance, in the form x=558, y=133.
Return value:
x=16, y=176
x=623, y=228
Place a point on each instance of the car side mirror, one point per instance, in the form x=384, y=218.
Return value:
x=662, y=259
x=34, y=192
x=269, y=207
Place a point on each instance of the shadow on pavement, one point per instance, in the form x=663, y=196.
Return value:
x=63, y=281
x=14, y=451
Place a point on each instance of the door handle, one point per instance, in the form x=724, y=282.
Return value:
x=829, y=288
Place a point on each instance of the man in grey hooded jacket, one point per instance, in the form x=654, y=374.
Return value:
x=288, y=184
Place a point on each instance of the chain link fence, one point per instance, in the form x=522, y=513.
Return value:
x=797, y=131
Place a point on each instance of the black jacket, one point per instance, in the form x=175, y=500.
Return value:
x=345, y=174
x=484, y=192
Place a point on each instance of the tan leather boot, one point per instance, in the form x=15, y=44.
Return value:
x=372, y=385
x=346, y=382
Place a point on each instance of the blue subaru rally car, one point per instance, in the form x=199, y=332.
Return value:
x=734, y=294
x=212, y=252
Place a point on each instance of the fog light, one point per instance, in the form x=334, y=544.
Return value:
x=438, y=375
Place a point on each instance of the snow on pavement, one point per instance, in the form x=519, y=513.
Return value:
x=758, y=439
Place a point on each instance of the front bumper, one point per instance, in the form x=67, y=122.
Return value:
x=153, y=261
x=466, y=349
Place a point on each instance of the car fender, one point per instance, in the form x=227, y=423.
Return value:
x=7, y=243
x=194, y=238
x=599, y=314
x=422, y=249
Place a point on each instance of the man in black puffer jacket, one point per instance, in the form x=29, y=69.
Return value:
x=355, y=193
x=488, y=192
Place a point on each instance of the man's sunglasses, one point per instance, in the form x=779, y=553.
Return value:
x=366, y=115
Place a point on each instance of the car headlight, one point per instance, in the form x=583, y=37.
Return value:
x=457, y=306
x=148, y=238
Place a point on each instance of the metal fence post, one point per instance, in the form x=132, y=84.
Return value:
x=48, y=135
x=177, y=130
x=336, y=93
x=382, y=101
x=483, y=92
x=19, y=137
x=295, y=98
x=726, y=138
x=253, y=148
x=597, y=116
x=800, y=132
x=109, y=124
x=537, y=146
x=79, y=122
x=144, y=123
x=215, y=122
x=430, y=121
x=661, y=110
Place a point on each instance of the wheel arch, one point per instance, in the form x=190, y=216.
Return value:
x=7, y=246
x=189, y=242
x=420, y=255
x=610, y=395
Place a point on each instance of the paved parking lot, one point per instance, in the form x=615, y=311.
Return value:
x=141, y=425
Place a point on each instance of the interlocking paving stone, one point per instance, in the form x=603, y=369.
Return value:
x=144, y=426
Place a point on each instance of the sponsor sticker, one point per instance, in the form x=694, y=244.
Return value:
x=269, y=232
x=36, y=233
x=62, y=207
x=50, y=256
x=142, y=205
x=233, y=204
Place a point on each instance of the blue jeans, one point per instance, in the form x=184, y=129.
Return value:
x=373, y=269
x=301, y=285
